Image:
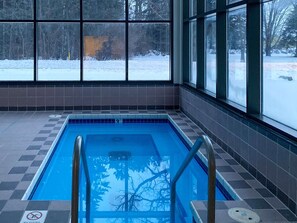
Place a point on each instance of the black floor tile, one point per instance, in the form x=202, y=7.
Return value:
x=225, y=169
x=39, y=139
x=36, y=163
x=28, y=177
x=42, y=152
x=17, y=194
x=44, y=131
x=288, y=215
x=231, y=162
x=27, y=158
x=33, y=147
x=11, y=216
x=48, y=142
x=2, y=203
x=8, y=185
x=264, y=192
x=258, y=203
x=239, y=184
x=57, y=216
x=49, y=125
x=18, y=170
x=246, y=176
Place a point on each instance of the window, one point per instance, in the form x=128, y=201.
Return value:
x=279, y=61
x=16, y=9
x=56, y=35
x=237, y=56
x=233, y=1
x=193, y=8
x=193, y=52
x=210, y=5
x=149, y=45
x=149, y=10
x=104, y=51
x=16, y=51
x=210, y=54
x=104, y=9
x=58, y=51
x=58, y=10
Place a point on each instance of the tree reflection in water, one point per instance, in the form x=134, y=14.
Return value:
x=122, y=183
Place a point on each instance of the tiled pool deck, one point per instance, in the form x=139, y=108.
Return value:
x=25, y=138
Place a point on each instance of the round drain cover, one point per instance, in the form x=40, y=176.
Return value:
x=55, y=116
x=243, y=215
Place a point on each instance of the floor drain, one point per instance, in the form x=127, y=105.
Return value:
x=55, y=116
x=243, y=215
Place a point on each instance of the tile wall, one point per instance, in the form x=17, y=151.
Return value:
x=90, y=97
x=270, y=157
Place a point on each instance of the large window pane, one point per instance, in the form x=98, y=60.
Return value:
x=104, y=51
x=210, y=54
x=61, y=9
x=104, y=9
x=280, y=61
x=58, y=51
x=16, y=51
x=149, y=9
x=193, y=7
x=233, y=1
x=237, y=56
x=149, y=53
x=193, y=52
x=210, y=5
x=16, y=9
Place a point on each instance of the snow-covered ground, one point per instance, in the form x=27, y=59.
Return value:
x=140, y=68
x=279, y=79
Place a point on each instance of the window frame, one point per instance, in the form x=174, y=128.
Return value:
x=254, y=61
x=82, y=21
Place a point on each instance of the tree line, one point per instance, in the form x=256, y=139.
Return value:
x=61, y=40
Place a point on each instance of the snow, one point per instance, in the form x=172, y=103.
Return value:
x=150, y=67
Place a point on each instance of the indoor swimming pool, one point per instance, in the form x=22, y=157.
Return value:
x=130, y=163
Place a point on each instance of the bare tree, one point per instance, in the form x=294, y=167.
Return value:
x=274, y=16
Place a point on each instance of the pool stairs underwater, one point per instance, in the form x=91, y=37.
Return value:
x=79, y=154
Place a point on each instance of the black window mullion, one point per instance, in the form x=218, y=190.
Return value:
x=81, y=41
x=200, y=84
x=35, y=41
x=254, y=56
x=171, y=41
x=221, y=29
x=127, y=39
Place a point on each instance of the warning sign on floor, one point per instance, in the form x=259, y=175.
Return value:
x=34, y=217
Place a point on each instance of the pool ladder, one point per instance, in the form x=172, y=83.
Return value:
x=211, y=178
x=79, y=153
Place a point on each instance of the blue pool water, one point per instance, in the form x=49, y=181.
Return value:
x=130, y=166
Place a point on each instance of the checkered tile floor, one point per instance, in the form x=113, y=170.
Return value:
x=26, y=137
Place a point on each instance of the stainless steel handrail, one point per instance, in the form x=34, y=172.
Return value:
x=211, y=178
x=77, y=154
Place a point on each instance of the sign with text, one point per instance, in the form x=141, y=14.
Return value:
x=34, y=217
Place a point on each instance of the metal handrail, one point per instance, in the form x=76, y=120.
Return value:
x=211, y=178
x=77, y=154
